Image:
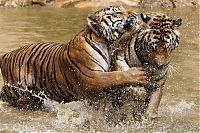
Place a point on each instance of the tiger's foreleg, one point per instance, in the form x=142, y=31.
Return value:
x=119, y=64
x=155, y=94
x=152, y=109
x=129, y=96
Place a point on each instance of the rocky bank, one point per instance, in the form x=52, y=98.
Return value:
x=100, y=3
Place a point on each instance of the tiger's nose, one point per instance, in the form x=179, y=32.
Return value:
x=162, y=61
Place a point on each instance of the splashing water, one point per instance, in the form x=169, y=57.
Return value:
x=75, y=114
x=79, y=116
x=180, y=107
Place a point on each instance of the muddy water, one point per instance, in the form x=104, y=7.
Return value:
x=179, y=109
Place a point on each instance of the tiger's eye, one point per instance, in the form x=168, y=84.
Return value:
x=155, y=37
x=168, y=37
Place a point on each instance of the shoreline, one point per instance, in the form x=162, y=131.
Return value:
x=100, y=3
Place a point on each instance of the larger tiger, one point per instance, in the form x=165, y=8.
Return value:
x=69, y=72
x=149, y=47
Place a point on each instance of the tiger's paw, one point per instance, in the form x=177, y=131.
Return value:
x=150, y=116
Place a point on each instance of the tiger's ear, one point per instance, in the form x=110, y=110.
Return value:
x=92, y=22
x=177, y=23
x=145, y=18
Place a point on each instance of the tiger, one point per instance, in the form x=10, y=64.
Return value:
x=77, y=70
x=150, y=47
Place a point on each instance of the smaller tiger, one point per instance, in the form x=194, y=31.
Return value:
x=149, y=47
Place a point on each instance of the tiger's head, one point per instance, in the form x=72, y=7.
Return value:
x=158, y=38
x=112, y=22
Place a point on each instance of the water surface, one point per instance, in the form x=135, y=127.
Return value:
x=179, y=109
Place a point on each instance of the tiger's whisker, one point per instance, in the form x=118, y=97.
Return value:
x=172, y=69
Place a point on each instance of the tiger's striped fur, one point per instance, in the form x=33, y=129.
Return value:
x=149, y=47
x=69, y=72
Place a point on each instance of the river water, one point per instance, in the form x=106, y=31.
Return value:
x=179, y=109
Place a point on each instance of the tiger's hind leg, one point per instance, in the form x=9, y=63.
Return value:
x=20, y=99
x=27, y=101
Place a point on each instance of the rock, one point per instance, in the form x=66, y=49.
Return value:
x=169, y=3
x=2, y=3
x=21, y=3
x=139, y=3
x=40, y=2
x=17, y=3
